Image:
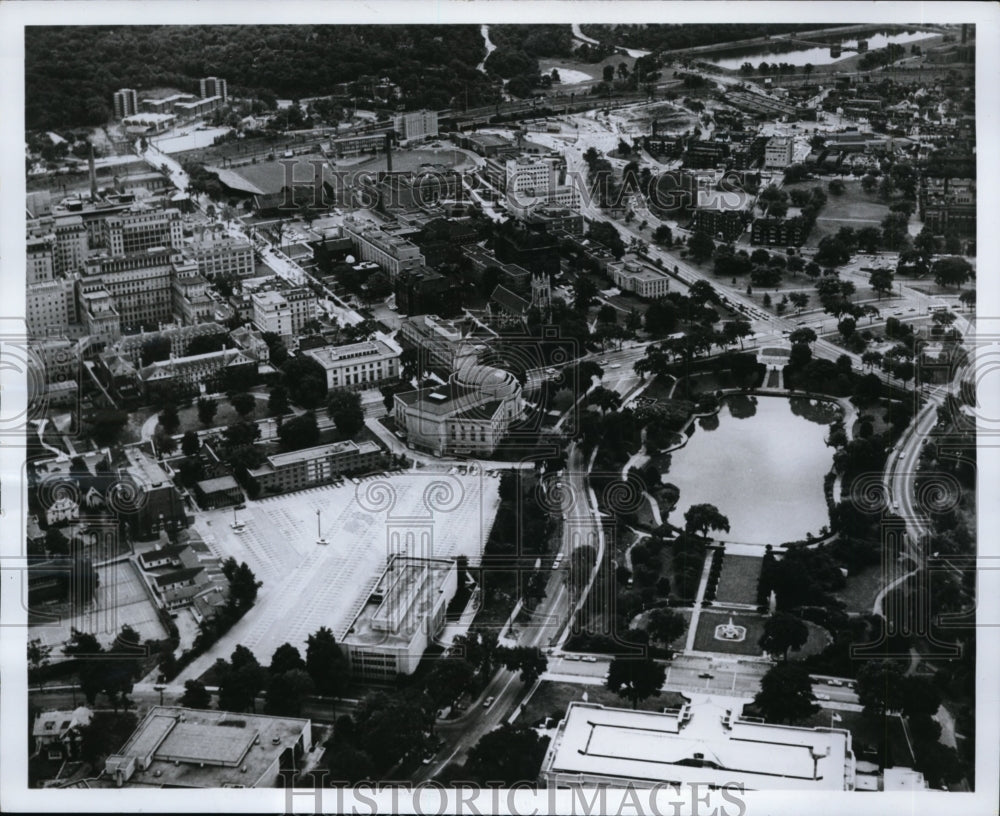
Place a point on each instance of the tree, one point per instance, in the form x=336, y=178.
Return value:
x=584, y=290
x=783, y=632
x=836, y=186
x=608, y=73
x=701, y=246
x=605, y=399
x=300, y=432
x=786, y=694
x=206, y=410
x=286, y=692
x=38, y=659
x=243, y=584
x=449, y=679
x=880, y=686
x=951, y=271
x=662, y=236
x=286, y=658
x=243, y=403
x=636, y=678
x=704, y=517
x=665, y=625
x=277, y=401
x=240, y=680
x=530, y=661
x=344, y=408
x=195, y=695
x=509, y=755
x=326, y=664
x=880, y=281
x=349, y=766
x=868, y=239
x=305, y=380
x=190, y=443
x=56, y=542
x=168, y=419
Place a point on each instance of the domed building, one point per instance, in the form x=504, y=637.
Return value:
x=468, y=415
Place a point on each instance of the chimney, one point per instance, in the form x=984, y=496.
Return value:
x=388, y=151
x=93, y=175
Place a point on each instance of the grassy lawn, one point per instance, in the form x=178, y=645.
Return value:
x=874, y=739
x=738, y=580
x=855, y=208
x=819, y=639
x=552, y=699
x=861, y=589
x=225, y=415
x=659, y=388
x=704, y=639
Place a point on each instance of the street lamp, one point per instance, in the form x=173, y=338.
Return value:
x=161, y=689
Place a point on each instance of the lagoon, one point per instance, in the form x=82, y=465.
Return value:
x=761, y=461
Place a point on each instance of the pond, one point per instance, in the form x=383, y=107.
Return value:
x=812, y=55
x=761, y=462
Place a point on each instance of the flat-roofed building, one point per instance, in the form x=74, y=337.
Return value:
x=50, y=307
x=126, y=102
x=213, y=86
x=778, y=153
x=219, y=254
x=705, y=742
x=158, y=505
x=309, y=467
x=143, y=229
x=437, y=339
x=40, y=258
x=416, y=125
x=358, y=366
x=643, y=280
x=401, y=615
x=174, y=747
x=140, y=283
x=392, y=253
x=72, y=243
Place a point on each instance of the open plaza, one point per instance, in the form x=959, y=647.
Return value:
x=307, y=584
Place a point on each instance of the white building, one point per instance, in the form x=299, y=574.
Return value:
x=220, y=254
x=778, y=153
x=393, y=253
x=368, y=364
x=705, y=742
x=469, y=415
x=417, y=125
x=644, y=281
x=50, y=307
x=126, y=103
x=284, y=312
x=402, y=614
x=213, y=86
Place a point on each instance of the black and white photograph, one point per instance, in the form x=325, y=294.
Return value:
x=500, y=407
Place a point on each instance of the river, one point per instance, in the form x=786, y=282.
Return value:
x=811, y=55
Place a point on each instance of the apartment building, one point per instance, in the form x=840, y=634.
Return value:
x=416, y=125
x=143, y=229
x=50, y=307
x=219, y=254
x=140, y=283
x=213, y=86
x=309, y=467
x=126, y=103
x=41, y=252
x=778, y=153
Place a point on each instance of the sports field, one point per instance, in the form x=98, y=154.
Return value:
x=308, y=585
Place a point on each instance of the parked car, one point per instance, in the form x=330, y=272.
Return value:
x=706, y=675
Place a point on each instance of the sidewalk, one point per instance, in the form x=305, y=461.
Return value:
x=696, y=612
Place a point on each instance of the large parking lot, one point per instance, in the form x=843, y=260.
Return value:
x=308, y=585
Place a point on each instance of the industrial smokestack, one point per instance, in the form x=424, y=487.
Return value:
x=388, y=151
x=93, y=175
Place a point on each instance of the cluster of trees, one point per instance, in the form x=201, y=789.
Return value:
x=66, y=87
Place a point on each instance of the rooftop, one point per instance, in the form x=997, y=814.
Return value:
x=705, y=743
x=205, y=749
x=321, y=451
x=396, y=608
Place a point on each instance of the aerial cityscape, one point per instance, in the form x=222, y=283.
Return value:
x=559, y=405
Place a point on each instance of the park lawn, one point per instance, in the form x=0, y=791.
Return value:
x=659, y=389
x=225, y=415
x=819, y=639
x=855, y=208
x=738, y=580
x=874, y=739
x=861, y=589
x=551, y=699
x=704, y=639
